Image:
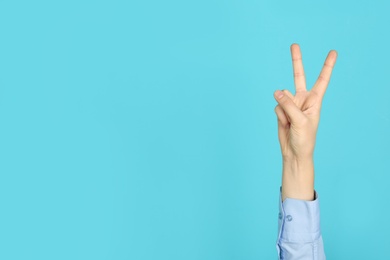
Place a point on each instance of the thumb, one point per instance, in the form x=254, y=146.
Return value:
x=293, y=112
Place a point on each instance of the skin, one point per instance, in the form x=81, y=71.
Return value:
x=298, y=118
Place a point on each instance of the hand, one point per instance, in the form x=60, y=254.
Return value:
x=298, y=118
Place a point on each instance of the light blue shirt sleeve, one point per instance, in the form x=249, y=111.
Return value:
x=299, y=233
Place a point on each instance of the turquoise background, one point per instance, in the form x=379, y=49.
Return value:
x=146, y=129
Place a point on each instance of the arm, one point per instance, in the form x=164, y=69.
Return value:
x=298, y=118
x=299, y=233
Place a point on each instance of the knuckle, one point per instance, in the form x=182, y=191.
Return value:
x=288, y=93
x=322, y=79
x=328, y=65
x=298, y=74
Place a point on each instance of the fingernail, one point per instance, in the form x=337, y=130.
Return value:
x=279, y=94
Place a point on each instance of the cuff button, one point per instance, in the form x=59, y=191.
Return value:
x=289, y=218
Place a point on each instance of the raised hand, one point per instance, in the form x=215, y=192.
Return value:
x=298, y=118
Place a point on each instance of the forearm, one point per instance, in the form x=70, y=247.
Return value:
x=298, y=118
x=298, y=179
x=299, y=217
x=299, y=232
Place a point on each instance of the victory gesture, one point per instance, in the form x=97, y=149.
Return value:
x=298, y=118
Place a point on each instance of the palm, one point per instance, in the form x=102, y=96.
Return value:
x=308, y=102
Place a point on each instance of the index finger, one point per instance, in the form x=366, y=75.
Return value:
x=323, y=79
x=298, y=71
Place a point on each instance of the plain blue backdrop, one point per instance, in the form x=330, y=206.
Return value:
x=146, y=129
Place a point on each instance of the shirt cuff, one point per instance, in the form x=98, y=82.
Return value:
x=299, y=220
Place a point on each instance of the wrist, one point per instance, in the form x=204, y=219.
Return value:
x=298, y=178
x=301, y=159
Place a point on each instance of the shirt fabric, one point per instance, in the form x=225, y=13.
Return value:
x=299, y=233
